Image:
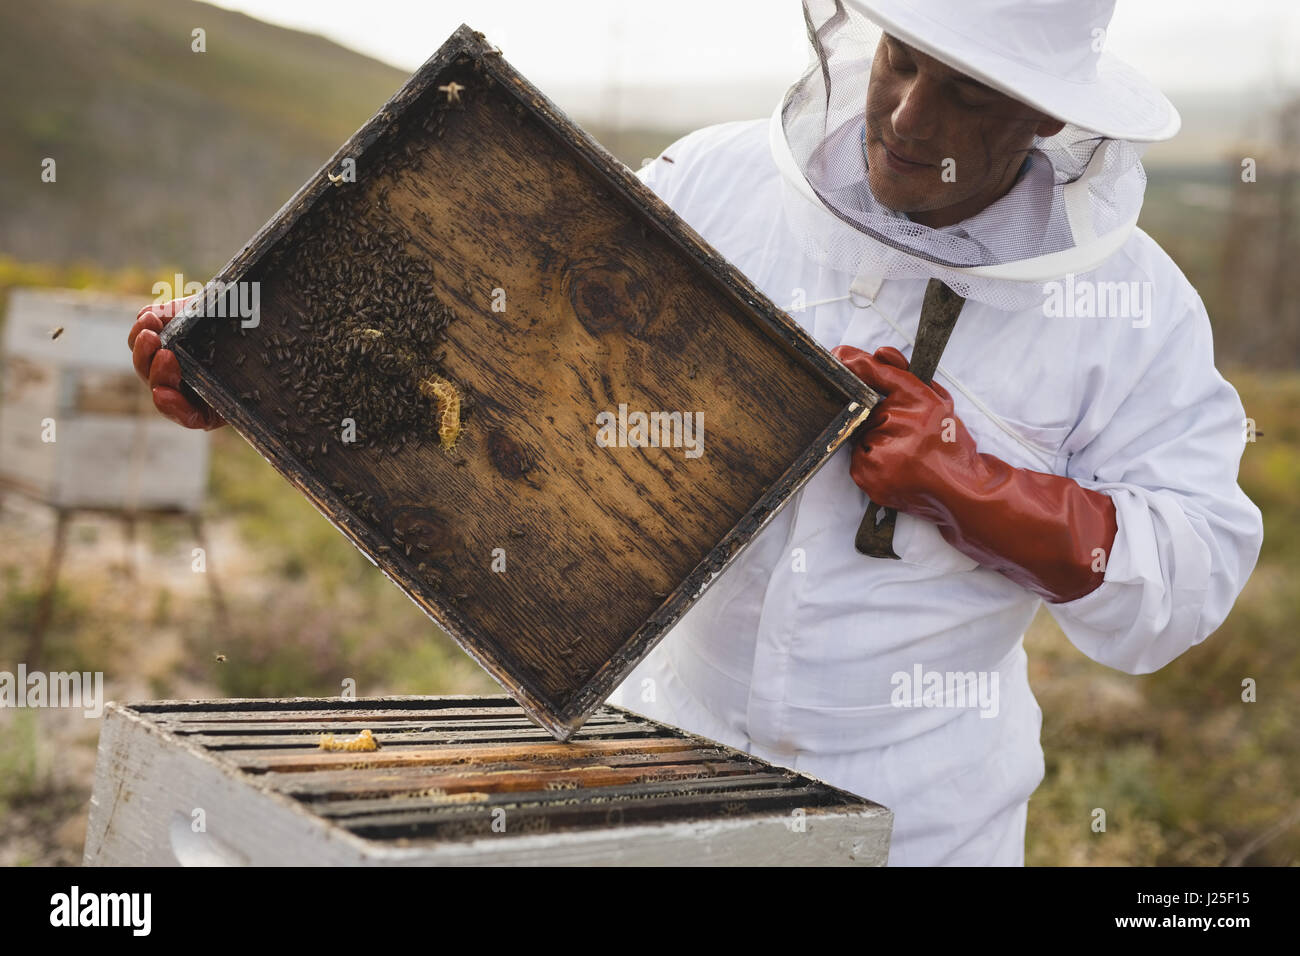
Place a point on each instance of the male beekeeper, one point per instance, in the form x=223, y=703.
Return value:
x=1074, y=449
x=1077, y=446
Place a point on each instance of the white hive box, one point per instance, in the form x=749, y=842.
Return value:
x=453, y=781
x=112, y=450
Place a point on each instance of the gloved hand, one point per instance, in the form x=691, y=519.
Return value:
x=159, y=368
x=914, y=455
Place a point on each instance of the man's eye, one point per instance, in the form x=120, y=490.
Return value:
x=974, y=96
x=898, y=61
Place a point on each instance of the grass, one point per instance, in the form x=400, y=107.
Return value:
x=334, y=615
x=90, y=623
x=151, y=138
x=1187, y=771
x=21, y=775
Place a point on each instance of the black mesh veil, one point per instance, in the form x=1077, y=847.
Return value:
x=1076, y=199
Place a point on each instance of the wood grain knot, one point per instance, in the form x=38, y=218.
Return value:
x=609, y=296
x=424, y=531
x=506, y=455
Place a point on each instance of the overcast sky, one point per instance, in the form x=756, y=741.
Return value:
x=1182, y=44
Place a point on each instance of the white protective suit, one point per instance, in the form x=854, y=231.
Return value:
x=794, y=653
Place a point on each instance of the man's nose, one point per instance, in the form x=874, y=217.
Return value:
x=917, y=115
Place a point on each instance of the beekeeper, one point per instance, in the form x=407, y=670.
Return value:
x=1078, y=446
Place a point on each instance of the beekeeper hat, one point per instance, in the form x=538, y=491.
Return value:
x=1082, y=191
x=1048, y=54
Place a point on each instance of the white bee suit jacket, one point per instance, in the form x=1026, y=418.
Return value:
x=806, y=653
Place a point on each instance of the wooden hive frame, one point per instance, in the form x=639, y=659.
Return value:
x=454, y=781
x=613, y=300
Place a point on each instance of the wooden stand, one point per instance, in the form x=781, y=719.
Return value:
x=45, y=607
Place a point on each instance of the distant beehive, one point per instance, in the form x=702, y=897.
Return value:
x=111, y=448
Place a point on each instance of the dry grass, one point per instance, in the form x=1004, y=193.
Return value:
x=1188, y=773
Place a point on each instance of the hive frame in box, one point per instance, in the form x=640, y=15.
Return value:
x=768, y=323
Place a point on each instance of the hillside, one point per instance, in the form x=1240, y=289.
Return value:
x=170, y=159
x=165, y=157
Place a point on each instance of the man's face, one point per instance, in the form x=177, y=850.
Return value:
x=940, y=145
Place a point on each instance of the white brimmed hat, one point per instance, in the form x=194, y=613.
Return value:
x=1076, y=203
x=1048, y=54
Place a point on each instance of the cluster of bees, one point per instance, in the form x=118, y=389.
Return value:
x=364, y=338
x=352, y=329
x=368, y=339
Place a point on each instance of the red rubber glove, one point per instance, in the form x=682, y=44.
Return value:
x=1039, y=530
x=159, y=368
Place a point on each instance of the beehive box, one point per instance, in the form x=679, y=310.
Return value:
x=77, y=430
x=472, y=262
x=454, y=781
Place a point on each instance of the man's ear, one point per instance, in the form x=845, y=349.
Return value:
x=1049, y=127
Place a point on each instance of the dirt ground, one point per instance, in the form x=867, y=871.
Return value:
x=47, y=756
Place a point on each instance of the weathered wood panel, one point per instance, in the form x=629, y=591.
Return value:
x=490, y=244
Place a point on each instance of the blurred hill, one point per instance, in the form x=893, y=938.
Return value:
x=151, y=138
x=167, y=157
x=164, y=156
x=171, y=159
